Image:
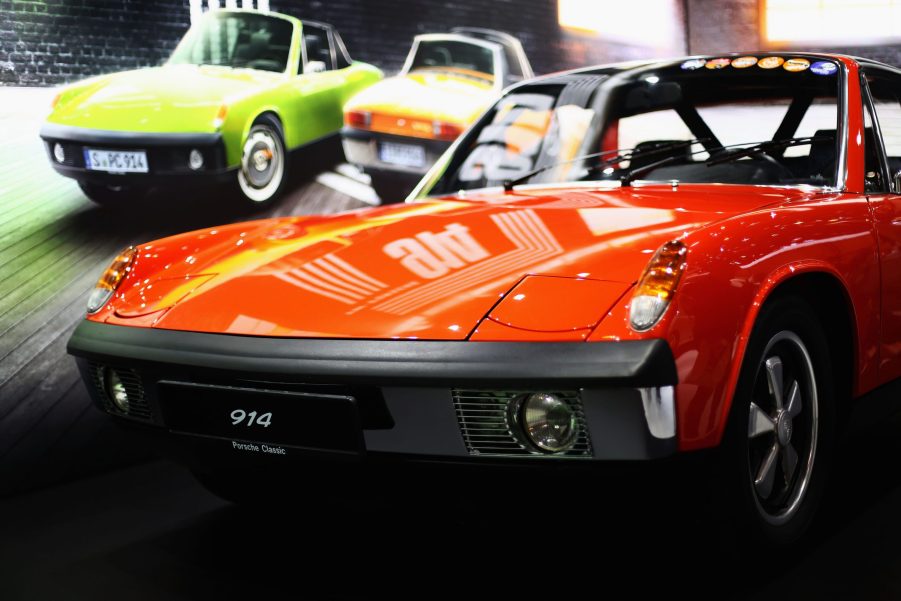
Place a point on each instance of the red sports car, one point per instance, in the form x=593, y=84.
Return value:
x=625, y=262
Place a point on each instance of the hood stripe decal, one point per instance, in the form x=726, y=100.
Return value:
x=333, y=278
x=524, y=228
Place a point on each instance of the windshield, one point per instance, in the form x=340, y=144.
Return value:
x=449, y=55
x=616, y=125
x=239, y=40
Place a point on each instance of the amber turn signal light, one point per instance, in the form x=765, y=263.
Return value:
x=657, y=286
x=111, y=278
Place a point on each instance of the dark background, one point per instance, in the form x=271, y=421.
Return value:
x=53, y=243
x=56, y=41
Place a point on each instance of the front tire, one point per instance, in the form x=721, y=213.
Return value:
x=780, y=435
x=261, y=176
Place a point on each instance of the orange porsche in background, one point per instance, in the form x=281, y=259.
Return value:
x=396, y=129
x=626, y=262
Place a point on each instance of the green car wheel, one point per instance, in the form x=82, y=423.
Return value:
x=261, y=177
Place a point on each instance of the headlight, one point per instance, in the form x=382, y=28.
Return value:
x=111, y=279
x=115, y=390
x=657, y=286
x=195, y=159
x=547, y=421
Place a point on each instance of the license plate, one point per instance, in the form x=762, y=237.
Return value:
x=406, y=155
x=115, y=161
x=297, y=419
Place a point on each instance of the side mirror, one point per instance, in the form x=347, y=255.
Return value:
x=896, y=182
x=314, y=67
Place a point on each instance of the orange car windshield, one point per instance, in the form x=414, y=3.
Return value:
x=698, y=121
x=453, y=56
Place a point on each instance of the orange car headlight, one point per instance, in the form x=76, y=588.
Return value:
x=111, y=278
x=657, y=286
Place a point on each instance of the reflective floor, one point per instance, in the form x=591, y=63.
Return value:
x=151, y=532
x=54, y=243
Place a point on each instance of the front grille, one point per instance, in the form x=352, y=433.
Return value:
x=485, y=424
x=138, y=407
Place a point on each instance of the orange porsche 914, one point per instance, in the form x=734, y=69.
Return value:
x=626, y=262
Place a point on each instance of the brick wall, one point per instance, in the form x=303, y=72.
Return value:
x=734, y=25
x=55, y=41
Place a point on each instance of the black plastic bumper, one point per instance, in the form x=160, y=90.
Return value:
x=167, y=155
x=404, y=388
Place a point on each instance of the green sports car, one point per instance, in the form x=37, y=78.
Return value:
x=241, y=90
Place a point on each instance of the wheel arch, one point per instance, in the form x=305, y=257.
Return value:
x=828, y=295
x=266, y=113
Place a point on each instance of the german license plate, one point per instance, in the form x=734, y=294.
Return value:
x=405, y=155
x=297, y=419
x=115, y=161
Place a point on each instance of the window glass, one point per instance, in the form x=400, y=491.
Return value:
x=446, y=55
x=317, y=44
x=755, y=124
x=238, y=40
x=885, y=90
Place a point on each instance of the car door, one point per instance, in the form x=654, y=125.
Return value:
x=318, y=97
x=882, y=143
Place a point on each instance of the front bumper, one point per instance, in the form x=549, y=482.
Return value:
x=167, y=155
x=408, y=393
x=361, y=147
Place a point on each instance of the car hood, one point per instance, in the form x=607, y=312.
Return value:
x=428, y=270
x=169, y=99
x=426, y=95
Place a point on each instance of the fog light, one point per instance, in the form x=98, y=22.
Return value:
x=548, y=422
x=195, y=159
x=115, y=390
x=59, y=153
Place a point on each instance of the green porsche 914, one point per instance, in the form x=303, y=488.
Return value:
x=241, y=90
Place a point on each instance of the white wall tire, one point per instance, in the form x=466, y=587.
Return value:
x=261, y=175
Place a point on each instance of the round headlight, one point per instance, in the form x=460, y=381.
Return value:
x=115, y=390
x=195, y=159
x=59, y=152
x=548, y=422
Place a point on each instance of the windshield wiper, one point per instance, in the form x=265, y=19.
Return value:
x=757, y=148
x=761, y=147
x=621, y=154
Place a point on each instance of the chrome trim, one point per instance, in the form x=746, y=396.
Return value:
x=660, y=410
x=841, y=168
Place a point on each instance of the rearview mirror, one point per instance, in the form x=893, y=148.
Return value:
x=896, y=182
x=314, y=67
